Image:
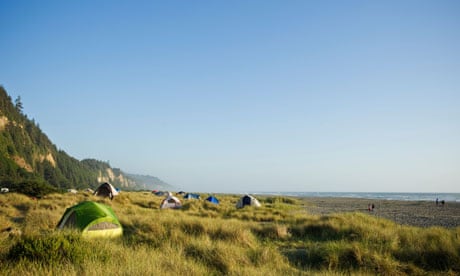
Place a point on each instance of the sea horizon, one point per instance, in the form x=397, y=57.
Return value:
x=405, y=196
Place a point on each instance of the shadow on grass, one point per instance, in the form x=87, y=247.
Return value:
x=142, y=234
x=304, y=259
x=147, y=205
x=320, y=257
x=209, y=257
x=322, y=232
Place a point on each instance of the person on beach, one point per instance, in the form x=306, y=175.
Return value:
x=437, y=201
x=373, y=206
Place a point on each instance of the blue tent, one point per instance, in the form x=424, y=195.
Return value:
x=192, y=196
x=213, y=200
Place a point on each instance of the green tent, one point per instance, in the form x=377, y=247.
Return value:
x=93, y=219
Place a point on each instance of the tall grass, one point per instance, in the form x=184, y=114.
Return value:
x=206, y=239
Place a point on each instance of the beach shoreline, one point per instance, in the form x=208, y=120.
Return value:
x=414, y=213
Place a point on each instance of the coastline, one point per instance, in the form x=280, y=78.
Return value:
x=414, y=213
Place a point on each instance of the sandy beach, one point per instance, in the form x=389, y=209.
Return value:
x=416, y=213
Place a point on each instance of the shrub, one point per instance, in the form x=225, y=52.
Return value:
x=33, y=188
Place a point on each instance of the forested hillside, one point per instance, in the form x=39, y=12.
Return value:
x=30, y=161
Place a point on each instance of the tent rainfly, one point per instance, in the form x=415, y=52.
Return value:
x=92, y=219
x=212, y=199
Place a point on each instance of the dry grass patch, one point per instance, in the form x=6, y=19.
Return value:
x=206, y=239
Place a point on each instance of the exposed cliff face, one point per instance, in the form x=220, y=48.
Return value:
x=3, y=122
x=48, y=157
x=22, y=163
x=115, y=177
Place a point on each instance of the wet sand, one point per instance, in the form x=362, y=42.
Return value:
x=416, y=213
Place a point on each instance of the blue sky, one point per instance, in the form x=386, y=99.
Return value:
x=243, y=96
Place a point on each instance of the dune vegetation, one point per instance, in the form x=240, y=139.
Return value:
x=279, y=238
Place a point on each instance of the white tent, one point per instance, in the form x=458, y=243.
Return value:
x=171, y=202
x=106, y=190
x=247, y=200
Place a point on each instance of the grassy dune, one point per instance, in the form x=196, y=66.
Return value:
x=280, y=238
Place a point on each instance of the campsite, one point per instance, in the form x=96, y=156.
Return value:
x=229, y=138
x=279, y=237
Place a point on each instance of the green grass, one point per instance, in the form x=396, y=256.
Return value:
x=280, y=238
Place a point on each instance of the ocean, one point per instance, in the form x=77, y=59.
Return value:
x=448, y=197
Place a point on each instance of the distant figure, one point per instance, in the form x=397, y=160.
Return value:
x=369, y=206
x=437, y=201
x=373, y=206
x=442, y=202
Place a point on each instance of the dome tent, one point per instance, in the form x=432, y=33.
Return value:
x=212, y=199
x=192, y=196
x=93, y=219
x=170, y=202
x=247, y=200
x=106, y=190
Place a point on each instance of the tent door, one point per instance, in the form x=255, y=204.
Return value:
x=246, y=201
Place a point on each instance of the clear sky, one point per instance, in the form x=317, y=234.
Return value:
x=243, y=96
